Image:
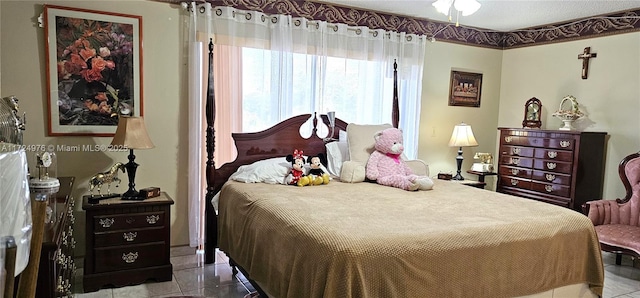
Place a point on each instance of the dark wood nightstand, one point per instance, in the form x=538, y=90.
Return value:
x=127, y=242
x=481, y=183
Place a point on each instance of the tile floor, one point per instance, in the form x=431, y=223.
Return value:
x=191, y=277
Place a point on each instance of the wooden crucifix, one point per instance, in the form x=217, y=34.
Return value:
x=585, y=61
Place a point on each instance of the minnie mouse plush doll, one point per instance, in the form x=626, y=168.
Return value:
x=296, y=175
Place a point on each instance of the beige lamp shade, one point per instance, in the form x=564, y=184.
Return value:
x=462, y=136
x=132, y=134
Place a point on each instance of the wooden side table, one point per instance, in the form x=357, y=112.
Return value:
x=480, y=183
x=127, y=242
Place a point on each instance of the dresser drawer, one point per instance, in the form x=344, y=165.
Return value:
x=560, y=143
x=551, y=189
x=522, y=141
x=130, y=257
x=126, y=221
x=125, y=237
x=551, y=177
x=523, y=162
x=516, y=151
x=553, y=166
x=553, y=154
x=515, y=172
x=515, y=182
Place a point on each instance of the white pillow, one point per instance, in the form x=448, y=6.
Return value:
x=272, y=171
x=342, y=136
x=361, y=141
x=337, y=153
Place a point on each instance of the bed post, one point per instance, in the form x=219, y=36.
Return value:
x=395, y=112
x=211, y=220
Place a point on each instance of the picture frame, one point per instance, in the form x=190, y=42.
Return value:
x=94, y=70
x=465, y=89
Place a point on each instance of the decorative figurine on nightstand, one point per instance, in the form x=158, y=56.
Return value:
x=106, y=177
x=485, y=164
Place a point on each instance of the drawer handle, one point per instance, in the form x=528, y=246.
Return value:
x=65, y=238
x=551, y=165
x=130, y=257
x=130, y=236
x=60, y=286
x=552, y=154
x=107, y=222
x=507, y=139
x=548, y=188
x=515, y=171
x=515, y=161
x=153, y=219
x=60, y=257
x=515, y=151
x=565, y=144
x=550, y=177
x=514, y=182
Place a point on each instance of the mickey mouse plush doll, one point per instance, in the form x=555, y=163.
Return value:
x=296, y=175
x=316, y=173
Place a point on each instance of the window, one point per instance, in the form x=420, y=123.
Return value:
x=279, y=85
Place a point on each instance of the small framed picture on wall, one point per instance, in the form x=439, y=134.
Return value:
x=465, y=89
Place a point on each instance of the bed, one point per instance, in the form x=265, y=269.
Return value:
x=368, y=240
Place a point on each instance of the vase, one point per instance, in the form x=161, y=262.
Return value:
x=567, y=124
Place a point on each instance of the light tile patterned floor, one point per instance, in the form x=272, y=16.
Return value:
x=192, y=277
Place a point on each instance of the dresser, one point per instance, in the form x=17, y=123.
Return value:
x=57, y=268
x=127, y=242
x=560, y=167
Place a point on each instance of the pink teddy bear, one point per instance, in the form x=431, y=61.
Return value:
x=387, y=167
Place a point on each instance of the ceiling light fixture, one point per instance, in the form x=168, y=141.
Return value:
x=466, y=7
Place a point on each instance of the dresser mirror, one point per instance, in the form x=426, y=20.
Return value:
x=532, y=113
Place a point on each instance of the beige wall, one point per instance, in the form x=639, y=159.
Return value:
x=23, y=75
x=438, y=118
x=610, y=96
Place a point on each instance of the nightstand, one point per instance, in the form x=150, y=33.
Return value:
x=127, y=242
x=481, y=183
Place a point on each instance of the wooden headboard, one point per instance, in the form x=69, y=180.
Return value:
x=277, y=141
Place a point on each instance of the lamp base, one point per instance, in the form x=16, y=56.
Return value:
x=459, y=159
x=132, y=196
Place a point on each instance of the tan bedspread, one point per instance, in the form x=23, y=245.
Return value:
x=367, y=240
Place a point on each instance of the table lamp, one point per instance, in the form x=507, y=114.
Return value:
x=131, y=134
x=462, y=137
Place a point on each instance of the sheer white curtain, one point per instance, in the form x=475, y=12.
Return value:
x=278, y=66
x=299, y=53
x=199, y=28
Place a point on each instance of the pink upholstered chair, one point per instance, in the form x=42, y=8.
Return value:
x=617, y=222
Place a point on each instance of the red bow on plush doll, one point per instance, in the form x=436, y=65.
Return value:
x=296, y=175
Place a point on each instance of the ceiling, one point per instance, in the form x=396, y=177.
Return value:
x=499, y=15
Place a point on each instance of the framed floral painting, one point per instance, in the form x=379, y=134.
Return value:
x=94, y=70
